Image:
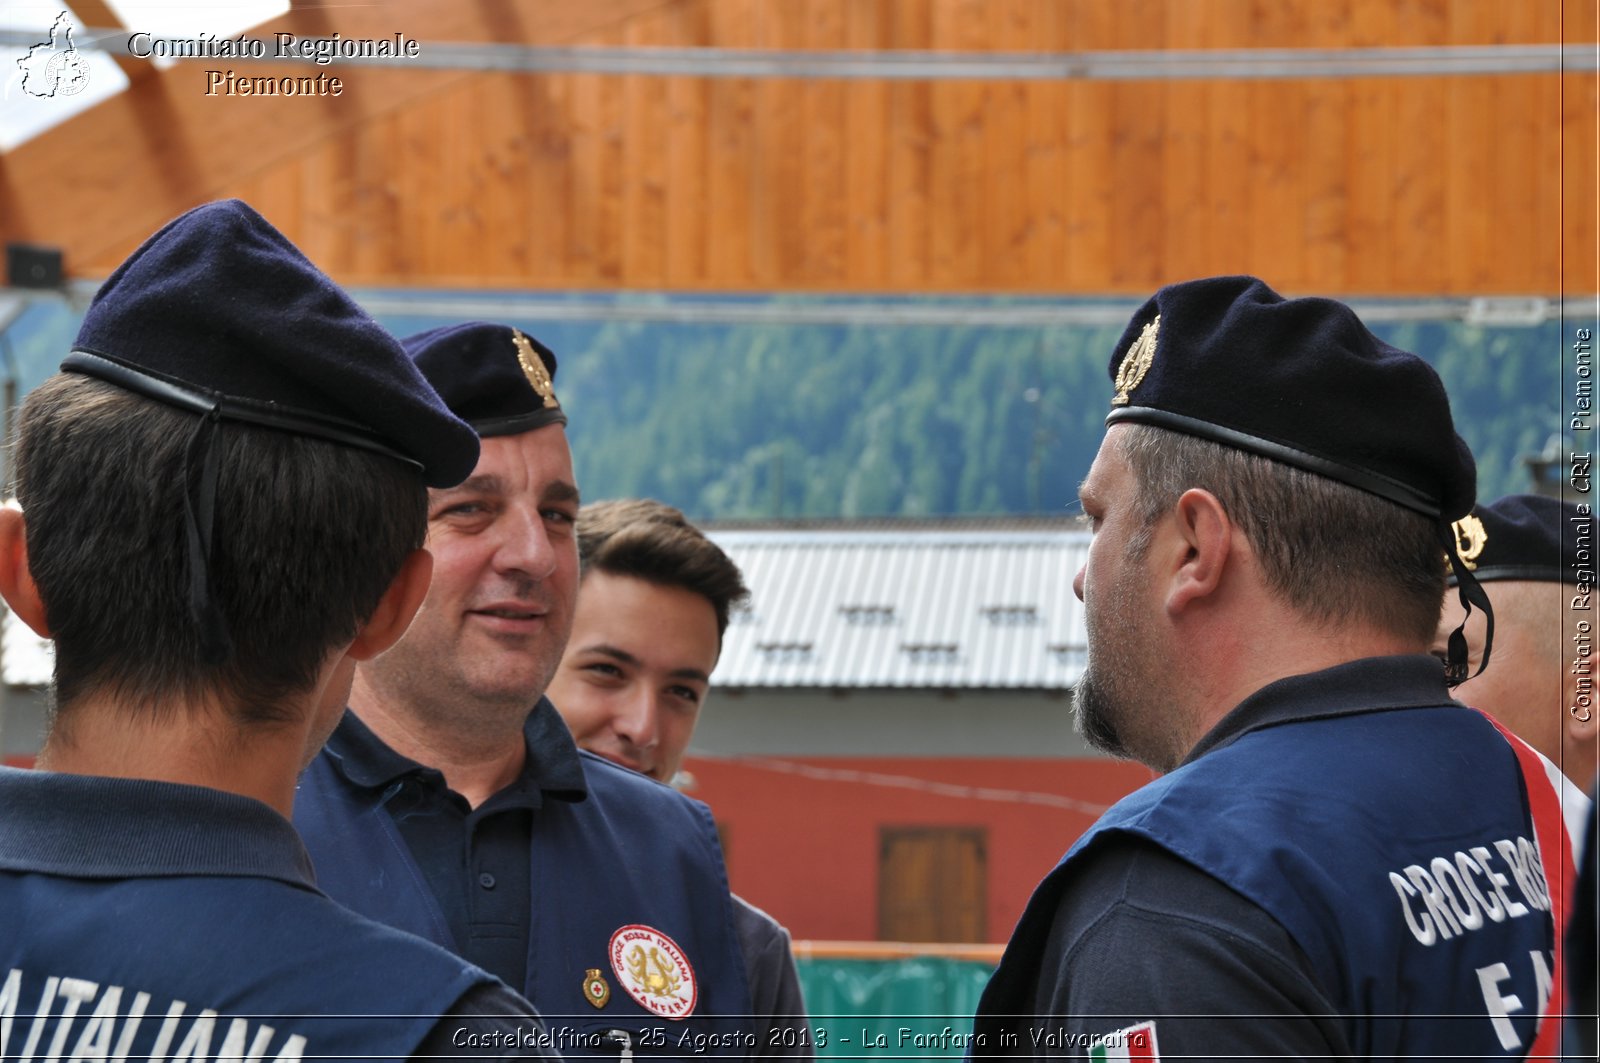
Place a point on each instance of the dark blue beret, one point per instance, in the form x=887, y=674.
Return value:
x=218, y=313
x=1301, y=381
x=1521, y=537
x=499, y=380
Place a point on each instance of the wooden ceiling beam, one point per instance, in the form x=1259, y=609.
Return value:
x=97, y=185
x=98, y=14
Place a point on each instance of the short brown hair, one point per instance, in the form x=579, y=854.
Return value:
x=1334, y=552
x=651, y=541
x=308, y=536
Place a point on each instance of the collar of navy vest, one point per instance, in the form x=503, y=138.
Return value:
x=87, y=826
x=1372, y=684
x=552, y=765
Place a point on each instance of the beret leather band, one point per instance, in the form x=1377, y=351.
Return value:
x=298, y=422
x=1364, y=479
x=514, y=426
x=1525, y=573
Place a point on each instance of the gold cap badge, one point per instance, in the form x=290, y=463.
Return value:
x=533, y=368
x=596, y=990
x=1471, y=538
x=1136, y=363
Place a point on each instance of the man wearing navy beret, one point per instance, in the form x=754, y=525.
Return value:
x=452, y=801
x=1515, y=546
x=1535, y=554
x=222, y=504
x=1338, y=861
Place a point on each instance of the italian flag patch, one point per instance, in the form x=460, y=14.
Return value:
x=1131, y=1043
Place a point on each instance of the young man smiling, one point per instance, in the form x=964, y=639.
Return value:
x=653, y=604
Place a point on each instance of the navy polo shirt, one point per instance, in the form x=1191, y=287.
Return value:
x=95, y=827
x=478, y=861
x=86, y=828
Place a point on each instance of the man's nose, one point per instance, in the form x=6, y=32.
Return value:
x=639, y=722
x=525, y=545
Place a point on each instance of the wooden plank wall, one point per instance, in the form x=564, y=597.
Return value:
x=1415, y=185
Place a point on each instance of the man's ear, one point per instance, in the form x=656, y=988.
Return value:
x=1583, y=732
x=396, y=608
x=16, y=578
x=1206, y=535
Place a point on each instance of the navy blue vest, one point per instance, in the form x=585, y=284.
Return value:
x=633, y=852
x=1395, y=847
x=205, y=968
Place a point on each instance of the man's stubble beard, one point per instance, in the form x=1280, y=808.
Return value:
x=432, y=688
x=1119, y=688
x=1091, y=715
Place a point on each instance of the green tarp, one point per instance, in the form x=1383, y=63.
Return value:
x=917, y=1008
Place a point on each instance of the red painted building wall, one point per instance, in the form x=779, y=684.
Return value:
x=803, y=834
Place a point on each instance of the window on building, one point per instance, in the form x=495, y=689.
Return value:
x=931, y=884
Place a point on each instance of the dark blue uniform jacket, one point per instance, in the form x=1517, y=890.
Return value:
x=628, y=852
x=1385, y=828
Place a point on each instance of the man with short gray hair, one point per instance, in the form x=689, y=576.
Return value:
x=1337, y=861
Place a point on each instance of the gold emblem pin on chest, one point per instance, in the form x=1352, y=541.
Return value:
x=596, y=990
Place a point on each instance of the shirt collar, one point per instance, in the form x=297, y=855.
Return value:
x=552, y=766
x=1372, y=684
x=89, y=826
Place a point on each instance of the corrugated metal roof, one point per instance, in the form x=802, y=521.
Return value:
x=907, y=604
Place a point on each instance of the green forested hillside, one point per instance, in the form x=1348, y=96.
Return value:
x=1505, y=388
x=830, y=420
x=833, y=421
